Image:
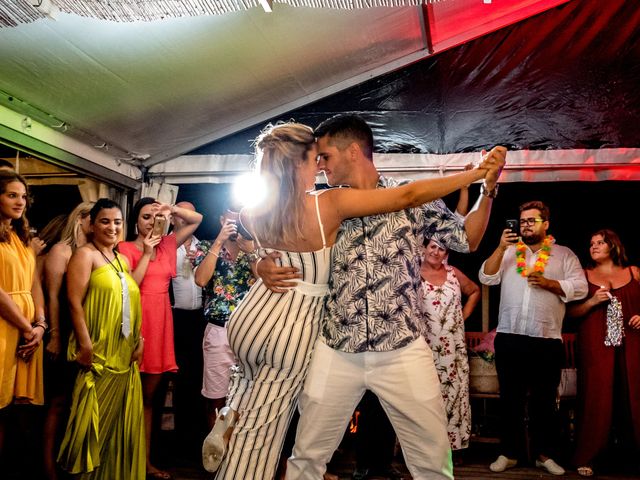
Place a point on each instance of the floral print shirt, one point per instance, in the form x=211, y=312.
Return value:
x=228, y=285
x=375, y=296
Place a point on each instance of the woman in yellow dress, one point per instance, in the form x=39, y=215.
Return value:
x=105, y=432
x=22, y=323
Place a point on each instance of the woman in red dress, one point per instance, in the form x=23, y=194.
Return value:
x=608, y=347
x=153, y=262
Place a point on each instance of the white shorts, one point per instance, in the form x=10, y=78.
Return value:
x=218, y=359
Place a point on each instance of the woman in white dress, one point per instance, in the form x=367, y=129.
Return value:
x=443, y=286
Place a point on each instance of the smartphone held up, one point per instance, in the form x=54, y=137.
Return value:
x=159, y=224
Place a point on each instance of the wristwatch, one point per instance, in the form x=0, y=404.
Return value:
x=489, y=193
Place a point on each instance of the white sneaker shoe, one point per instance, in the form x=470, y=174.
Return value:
x=502, y=463
x=552, y=467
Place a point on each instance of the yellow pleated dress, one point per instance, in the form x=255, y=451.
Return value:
x=105, y=433
x=19, y=380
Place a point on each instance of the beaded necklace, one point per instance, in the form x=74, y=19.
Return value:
x=541, y=260
x=126, y=308
x=110, y=262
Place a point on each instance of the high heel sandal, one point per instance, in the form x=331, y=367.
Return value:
x=215, y=445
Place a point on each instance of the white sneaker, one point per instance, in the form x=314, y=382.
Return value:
x=502, y=463
x=552, y=467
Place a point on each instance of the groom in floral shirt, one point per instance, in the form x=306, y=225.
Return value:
x=372, y=336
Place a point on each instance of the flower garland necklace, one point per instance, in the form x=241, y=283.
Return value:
x=541, y=260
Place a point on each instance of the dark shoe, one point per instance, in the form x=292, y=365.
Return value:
x=390, y=473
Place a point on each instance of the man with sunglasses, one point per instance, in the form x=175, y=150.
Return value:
x=538, y=277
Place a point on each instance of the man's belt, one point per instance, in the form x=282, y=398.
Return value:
x=221, y=322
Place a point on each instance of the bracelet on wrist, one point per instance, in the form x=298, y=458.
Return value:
x=41, y=323
x=253, y=257
x=493, y=193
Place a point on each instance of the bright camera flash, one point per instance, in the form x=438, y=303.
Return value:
x=249, y=190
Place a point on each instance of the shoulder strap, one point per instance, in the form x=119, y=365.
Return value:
x=317, y=194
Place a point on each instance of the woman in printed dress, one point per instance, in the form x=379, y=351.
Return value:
x=443, y=286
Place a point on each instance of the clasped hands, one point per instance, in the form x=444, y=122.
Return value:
x=493, y=161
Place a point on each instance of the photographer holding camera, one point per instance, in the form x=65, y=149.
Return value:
x=538, y=278
x=223, y=270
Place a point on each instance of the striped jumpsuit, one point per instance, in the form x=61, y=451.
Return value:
x=272, y=336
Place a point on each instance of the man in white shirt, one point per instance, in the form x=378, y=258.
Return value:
x=538, y=278
x=188, y=327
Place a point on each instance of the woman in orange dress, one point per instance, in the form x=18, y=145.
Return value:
x=22, y=322
x=153, y=264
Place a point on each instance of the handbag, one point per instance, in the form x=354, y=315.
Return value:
x=216, y=444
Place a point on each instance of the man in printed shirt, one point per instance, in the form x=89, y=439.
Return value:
x=538, y=278
x=224, y=272
x=372, y=336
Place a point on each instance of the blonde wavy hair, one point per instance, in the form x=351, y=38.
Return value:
x=72, y=228
x=280, y=149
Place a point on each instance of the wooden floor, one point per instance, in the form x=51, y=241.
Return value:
x=184, y=463
x=476, y=467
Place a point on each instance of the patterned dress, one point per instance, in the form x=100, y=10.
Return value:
x=444, y=331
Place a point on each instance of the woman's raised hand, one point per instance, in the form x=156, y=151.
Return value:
x=162, y=209
x=493, y=162
x=150, y=242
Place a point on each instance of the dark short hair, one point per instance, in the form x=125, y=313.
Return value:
x=536, y=205
x=352, y=128
x=101, y=204
x=135, y=213
x=616, y=248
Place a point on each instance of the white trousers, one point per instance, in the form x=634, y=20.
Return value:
x=406, y=383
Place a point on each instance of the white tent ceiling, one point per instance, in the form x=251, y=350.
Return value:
x=143, y=92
